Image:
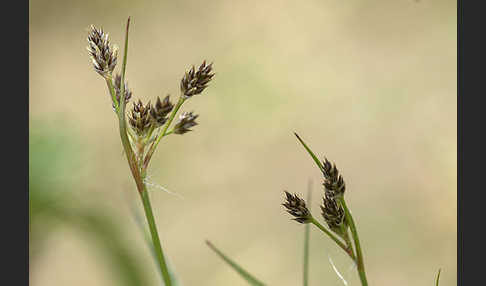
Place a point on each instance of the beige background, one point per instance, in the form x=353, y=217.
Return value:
x=369, y=84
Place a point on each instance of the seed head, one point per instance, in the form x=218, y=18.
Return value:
x=140, y=120
x=332, y=213
x=186, y=121
x=160, y=111
x=297, y=208
x=194, y=82
x=333, y=181
x=102, y=54
x=128, y=92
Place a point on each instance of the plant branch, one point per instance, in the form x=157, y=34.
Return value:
x=154, y=144
x=333, y=237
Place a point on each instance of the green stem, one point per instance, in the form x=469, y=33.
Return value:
x=111, y=88
x=132, y=162
x=149, y=133
x=345, y=232
x=354, y=232
x=437, y=279
x=333, y=237
x=153, y=146
x=155, y=236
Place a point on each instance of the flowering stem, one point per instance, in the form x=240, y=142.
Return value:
x=333, y=237
x=354, y=232
x=132, y=162
x=154, y=144
x=155, y=236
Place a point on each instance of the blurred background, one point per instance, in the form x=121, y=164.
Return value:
x=371, y=85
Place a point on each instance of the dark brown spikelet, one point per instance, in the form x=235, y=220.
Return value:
x=102, y=54
x=139, y=119
x=194, y=82
x=186, y=121
x=332, y=213
x=160, y=111
x=297, y=208
x=128, y=92
x=333, y=181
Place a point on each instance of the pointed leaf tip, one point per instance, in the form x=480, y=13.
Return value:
x=314, y=157
x=243, y=273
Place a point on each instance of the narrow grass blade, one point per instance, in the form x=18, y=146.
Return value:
x=306, y=238
x=314, y=157
x=437, y=279
x=247, y=276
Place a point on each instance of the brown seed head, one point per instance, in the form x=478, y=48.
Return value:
x=102, y=54
x=139, y=119
x=297, y=208
x=332, y=213
x=128, y=92
x=194, y=82
x=333, y=181
x=160, y=111
x=186, y=121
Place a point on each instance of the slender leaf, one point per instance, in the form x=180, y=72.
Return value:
x=437, y=279
x=247, y=276
x=314, y=157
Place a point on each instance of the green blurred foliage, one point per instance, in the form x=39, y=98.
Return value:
x=51, y=182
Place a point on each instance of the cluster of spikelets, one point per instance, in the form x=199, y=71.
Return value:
x=331, y=210
x=143, y=118
x=146, y=119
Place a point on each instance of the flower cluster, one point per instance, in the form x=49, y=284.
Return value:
x=103, y=55
x=194, y=82
x=297, y=208
x=147, y=123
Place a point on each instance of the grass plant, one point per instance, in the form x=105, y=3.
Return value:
x=143, y=127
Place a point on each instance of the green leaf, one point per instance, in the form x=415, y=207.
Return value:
x=247, y=276
x=306, y=238
x=314, y=157
x=437, y=279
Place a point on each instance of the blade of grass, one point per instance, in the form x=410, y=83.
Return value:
x=437, y=279
x=306, y=238
x=314, y=157
x=247, y=276
x=124, y=67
